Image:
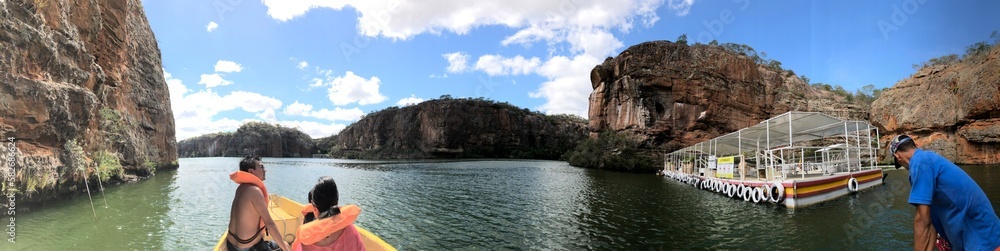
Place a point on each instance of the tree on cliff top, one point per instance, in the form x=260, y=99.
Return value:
x=682, y=39
x=972, y=52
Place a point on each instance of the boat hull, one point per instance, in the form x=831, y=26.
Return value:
x=287, y=215
x=806, y=192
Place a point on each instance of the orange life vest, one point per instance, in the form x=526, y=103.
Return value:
x=310, y=208
x=241, y=177
x=317, y=230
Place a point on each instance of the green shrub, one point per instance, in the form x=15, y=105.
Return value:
x=612, y=151
x=108, y=165
x=149, y=166
x=682, y=39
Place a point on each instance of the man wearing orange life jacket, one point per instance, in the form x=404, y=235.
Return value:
x=249, y=216
x=333, y=228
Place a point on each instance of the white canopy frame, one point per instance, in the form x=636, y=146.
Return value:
x=780, y=146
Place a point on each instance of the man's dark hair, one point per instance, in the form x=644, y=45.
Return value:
x=906, y=146
x=249, y=162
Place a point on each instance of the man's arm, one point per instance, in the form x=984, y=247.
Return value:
x=258, y=204
x=924, y=234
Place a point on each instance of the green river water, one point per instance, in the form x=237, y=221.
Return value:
x=481, y=205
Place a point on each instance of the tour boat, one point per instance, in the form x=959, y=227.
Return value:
x=287, y=215
x=795, y=159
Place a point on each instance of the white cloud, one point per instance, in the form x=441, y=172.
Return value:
x=681, y=7
x=457, y=61
x=194, y=113
x=499, y=65
x=402, y=19
x=337, y=114
x=351, y=88
x=582, y=26
x=227, y=66
x=298, y=109
x=267, y=115
x=303, y=64
x=211, y=26
x=213, y=80
x=316, y=83
x=567, y=89
x=412, y=100
x=314, y=129
x=176, y=87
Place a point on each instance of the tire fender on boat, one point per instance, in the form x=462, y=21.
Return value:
x=732, y=190
x=755, y=194
x=765, y=192
x=852, y=185
x=745, y=193
x=777, y=192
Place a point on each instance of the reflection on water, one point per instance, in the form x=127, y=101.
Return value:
x=483, y=205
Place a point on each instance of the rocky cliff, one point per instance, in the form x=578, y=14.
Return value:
x=953, y=109
x=670, y=95
x=253, y=138
x=82, y=93
x=459, y=128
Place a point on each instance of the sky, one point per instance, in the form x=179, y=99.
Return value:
x=319, y=65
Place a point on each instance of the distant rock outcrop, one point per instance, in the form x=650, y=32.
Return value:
x=459, y=128
x=670, y=95
x=82, y=92
x=253, y=138
x=953, y=109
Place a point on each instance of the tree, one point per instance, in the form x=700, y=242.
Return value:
x=682, y=39
x=716, y=42
x=804, y=78
x=977, y=49
x=996, y=37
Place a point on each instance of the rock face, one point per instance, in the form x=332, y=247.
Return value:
x=459, y=128
x=953, y=109
x=671, y=95
x=253, y=138
x=80, y=73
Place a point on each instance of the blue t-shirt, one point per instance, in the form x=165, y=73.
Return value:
x=960, y=210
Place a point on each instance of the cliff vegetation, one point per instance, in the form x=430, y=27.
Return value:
x=459, y=128
x=83, y=101
x=252, y=138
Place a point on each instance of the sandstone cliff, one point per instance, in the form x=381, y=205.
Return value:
x=953, y=109
x=82, y=92
x=253, y=138
x=670, y=95
x=459, y=128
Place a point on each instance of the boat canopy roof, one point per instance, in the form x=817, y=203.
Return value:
x=782, y=130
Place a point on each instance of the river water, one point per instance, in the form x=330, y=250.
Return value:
x=491, y=205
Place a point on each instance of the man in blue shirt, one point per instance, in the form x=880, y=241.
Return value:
x=947, y=199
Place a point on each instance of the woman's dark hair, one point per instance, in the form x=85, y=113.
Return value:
x=325, y=197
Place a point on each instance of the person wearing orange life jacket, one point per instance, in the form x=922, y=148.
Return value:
x=249, y=216
x=333, y=228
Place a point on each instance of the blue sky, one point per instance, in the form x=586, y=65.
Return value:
x=319, y=65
